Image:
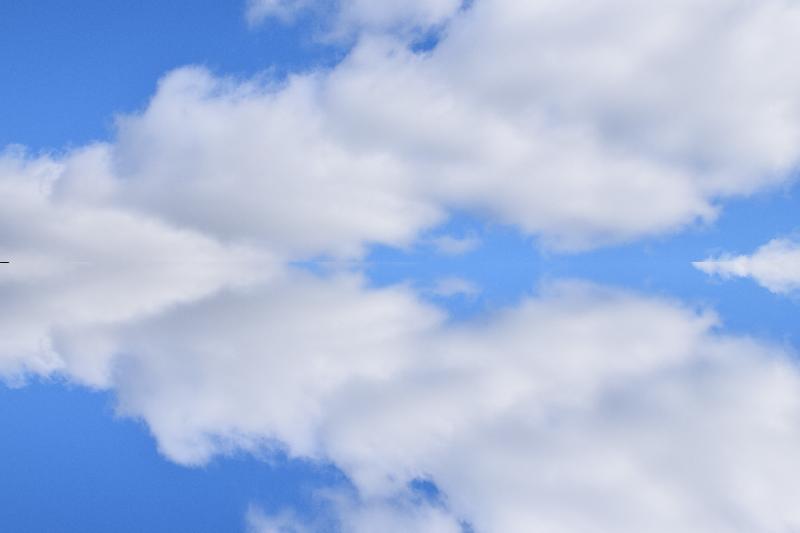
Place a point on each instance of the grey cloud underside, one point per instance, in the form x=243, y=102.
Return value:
x=157, y=266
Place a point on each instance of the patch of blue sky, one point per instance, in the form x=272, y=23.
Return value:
x=663, y=266
x=69, y=67
x=68, y=464
x=508, y=265
x=503, y=266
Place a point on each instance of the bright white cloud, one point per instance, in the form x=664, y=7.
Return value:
x=579, y=410
x=619, y=121
x=776, y=266
x=75, y=266
x=582, y=409
x=242, y=161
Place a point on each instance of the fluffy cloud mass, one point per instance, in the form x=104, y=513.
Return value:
x=162, y=266
x=619, y=121
x=776, y=266
x=76, y=266
x=583, y=409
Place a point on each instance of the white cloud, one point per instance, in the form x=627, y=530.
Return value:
x=582, y=409
x=619, y=121
x=77, y=266
x=155, y=266
x=397, y=516
x=285, y=522
x=358, y=15
x=776, y=266
x=451, y=245
x=241, y=161
x=258, y=10
x=454, y=286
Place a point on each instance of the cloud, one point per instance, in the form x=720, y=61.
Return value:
x=454, y=286
x=581, y=409
x=78, y=266
x=351, y=515
x=619, y=122
x=243, y=161
x=776, y=266
x=285, y=10
x=451, y=245
x=350, y=16
x=157, y=266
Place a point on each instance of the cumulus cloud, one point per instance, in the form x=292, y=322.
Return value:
x=582, y=409
x=157, y=265
x=74, y=265
x=243, y=161
x=619, y=121
x=776, y=266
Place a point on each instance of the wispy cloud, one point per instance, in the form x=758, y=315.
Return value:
x=452, y=245
x=776, y=266
x=454, y=286
x=347, y=16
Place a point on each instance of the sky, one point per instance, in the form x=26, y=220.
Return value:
x=283, y=266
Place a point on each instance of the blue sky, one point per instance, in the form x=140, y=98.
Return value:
x=88, y=62
x=345, y=232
